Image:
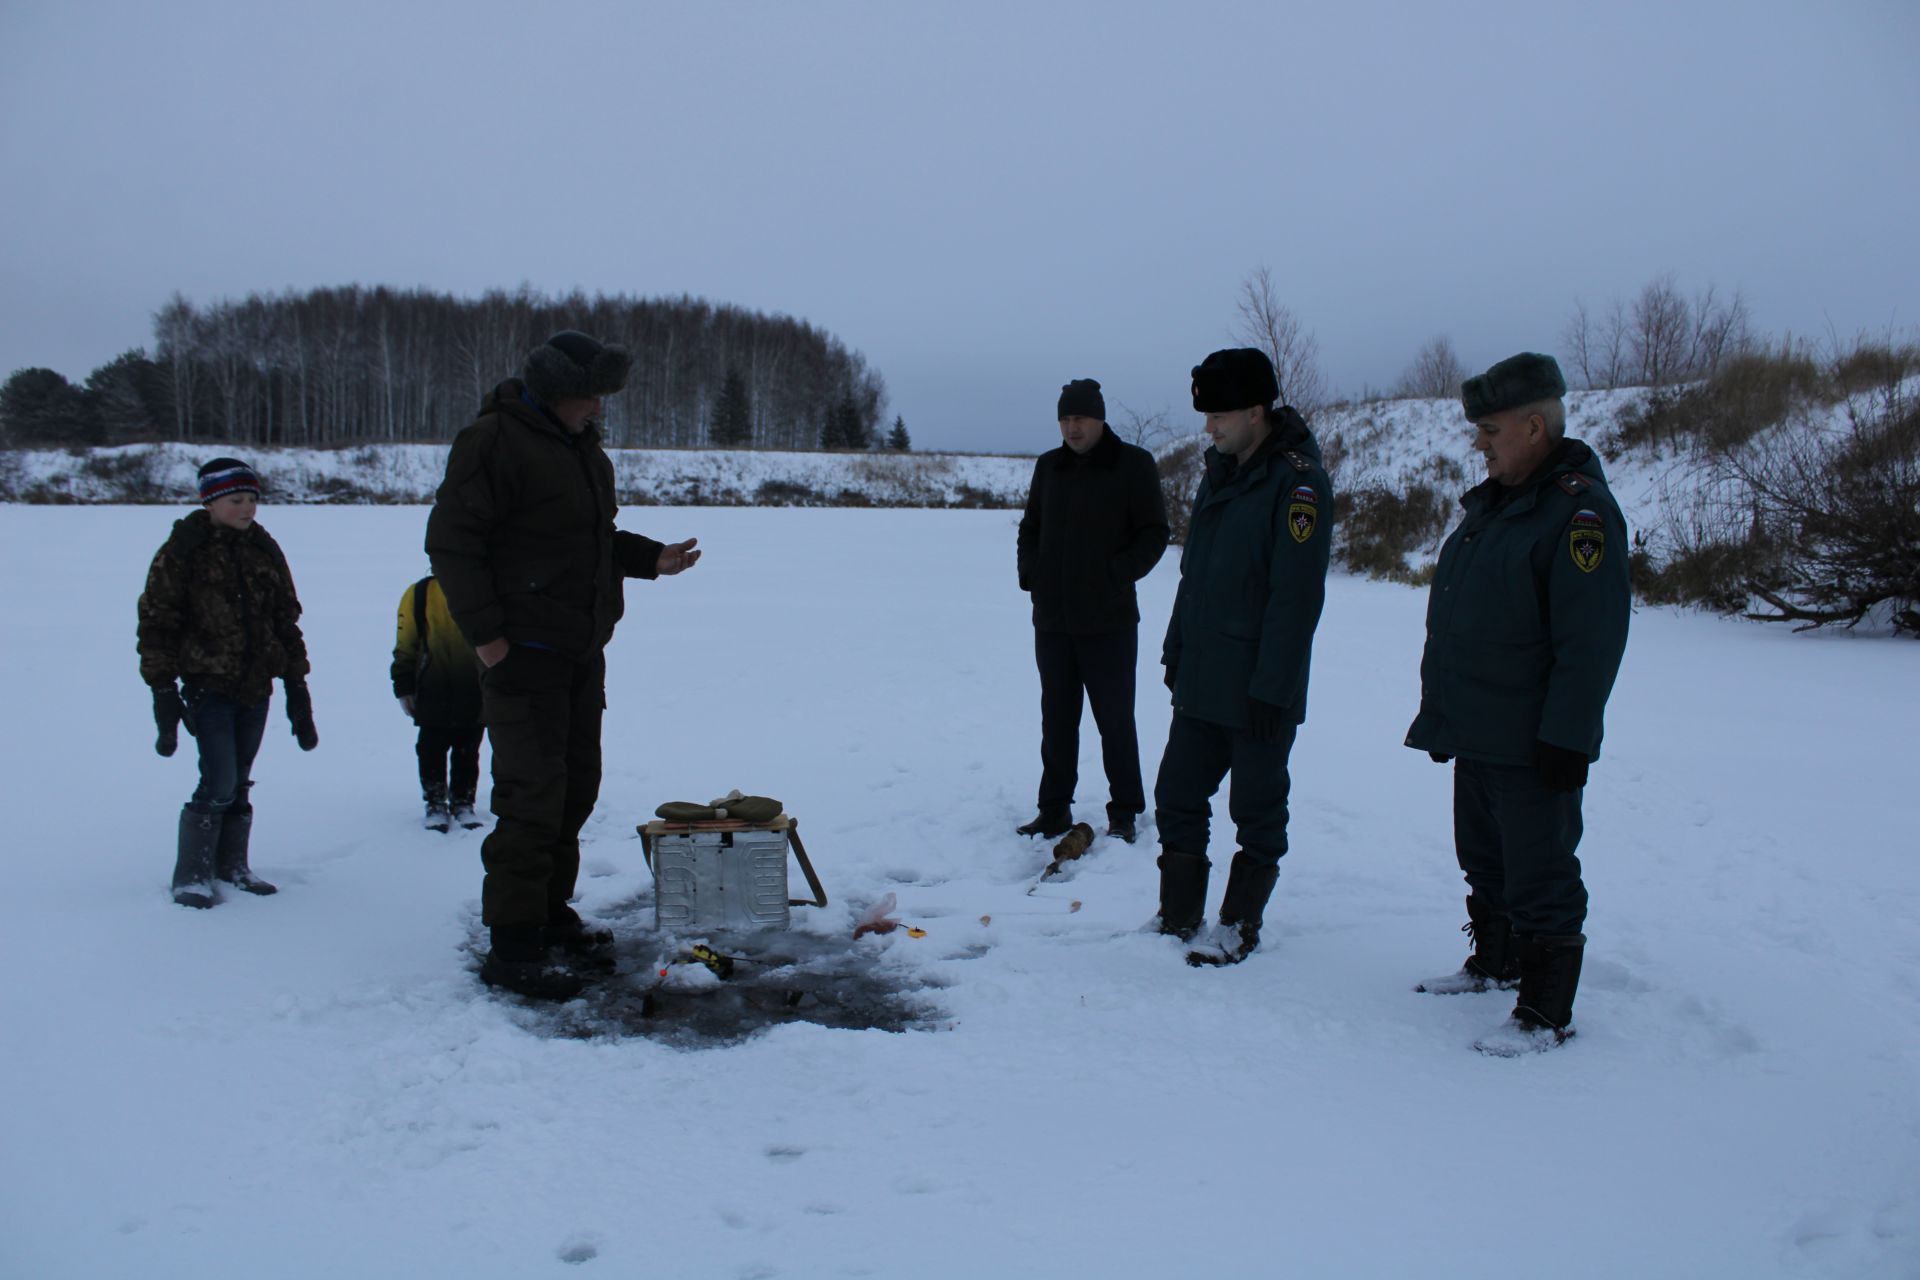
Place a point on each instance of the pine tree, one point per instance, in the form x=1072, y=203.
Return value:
x=897, y=439
x=40, y=407
x=853, y=424
x=732, y=424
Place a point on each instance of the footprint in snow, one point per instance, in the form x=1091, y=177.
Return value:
x=584, y=1247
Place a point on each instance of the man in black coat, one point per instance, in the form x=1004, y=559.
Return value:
x=1094, y=525
x=523, y=543
x=1253, y=576
x=1526, y=625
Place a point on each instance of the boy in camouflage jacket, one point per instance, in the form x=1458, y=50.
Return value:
x=219, y=622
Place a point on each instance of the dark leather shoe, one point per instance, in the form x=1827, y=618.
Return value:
x=1048, y=823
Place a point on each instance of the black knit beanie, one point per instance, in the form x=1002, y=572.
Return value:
x=572, y=366
x=1081, y=398
x=1236, y=378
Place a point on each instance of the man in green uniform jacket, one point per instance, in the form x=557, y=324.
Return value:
x=1526, y=625
x=523, y=543
x=1253, y=576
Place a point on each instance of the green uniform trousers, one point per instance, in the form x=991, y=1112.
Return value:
x=1515, y=841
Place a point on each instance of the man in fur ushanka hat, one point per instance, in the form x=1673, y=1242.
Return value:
x=1526, y=626
x=523, y=542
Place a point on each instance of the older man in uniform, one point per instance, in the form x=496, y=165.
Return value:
x=1526, y=625
x=1253, y=576
x=523, y=542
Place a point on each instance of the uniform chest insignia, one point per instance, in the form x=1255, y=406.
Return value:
x=1303, y=513
x=1586, y=541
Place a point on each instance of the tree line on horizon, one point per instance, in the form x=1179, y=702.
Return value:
x=353, y=365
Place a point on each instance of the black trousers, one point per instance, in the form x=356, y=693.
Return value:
x=449, y=761
x=1097, y=669
x=543, y=714
x=1515, y=841
x=1199, y=755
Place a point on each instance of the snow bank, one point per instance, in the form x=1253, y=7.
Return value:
x=410, y=473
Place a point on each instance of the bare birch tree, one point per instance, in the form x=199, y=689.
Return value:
x=1264, y=321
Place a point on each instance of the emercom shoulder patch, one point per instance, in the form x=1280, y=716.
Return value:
x=1586, y=540
x=1303, y=512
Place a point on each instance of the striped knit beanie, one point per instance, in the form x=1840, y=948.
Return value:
x=223, y=476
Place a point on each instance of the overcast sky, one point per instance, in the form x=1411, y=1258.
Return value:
x=985, y=199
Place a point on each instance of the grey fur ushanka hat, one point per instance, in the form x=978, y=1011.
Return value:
x=572, y=366
x=1517, y=380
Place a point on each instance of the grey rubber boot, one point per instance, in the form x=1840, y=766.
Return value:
x=230, y=861
x=193, y=865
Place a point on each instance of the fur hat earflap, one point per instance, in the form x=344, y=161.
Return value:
x=1236, y=378
x=1517, y=380
x=572, y=366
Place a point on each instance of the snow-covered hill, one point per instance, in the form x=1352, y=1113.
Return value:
x=409, y=473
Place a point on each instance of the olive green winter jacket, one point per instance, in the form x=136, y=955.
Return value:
x=1253, y=576
x=1527, y=618
x=521, y=535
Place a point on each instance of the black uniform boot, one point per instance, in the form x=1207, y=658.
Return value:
x=1121, y=825
x=1183, y=892
x=193, y=864
x=578, y=943
x=1494, y=962
x=1048, y=823
x=230, y=859
x=520, y=962
x=1543, y=1017
x=1242, y=912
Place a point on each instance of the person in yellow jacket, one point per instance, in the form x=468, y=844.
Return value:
x=436, y=678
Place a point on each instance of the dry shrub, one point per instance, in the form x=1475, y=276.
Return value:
x=1380, y=527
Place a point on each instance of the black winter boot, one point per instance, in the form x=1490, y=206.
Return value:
x=439, y=814
x=1543, y=1017
x=577, y=942
x=1048, y=823
x=463, y=813
x=1183, y=892
x=1494, y=962
x=1242, y=912
x=193, y=864
x=230, y=862
x=520, y=962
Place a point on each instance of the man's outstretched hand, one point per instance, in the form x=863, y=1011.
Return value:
x=676, y=556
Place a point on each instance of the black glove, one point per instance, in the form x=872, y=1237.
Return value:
x=1437, y=757
x=300, y=715
x=169, y=713
x=1169, y=674
x=1559, y=768
x=1265, y=722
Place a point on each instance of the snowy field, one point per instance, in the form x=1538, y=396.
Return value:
x=314, y=1084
